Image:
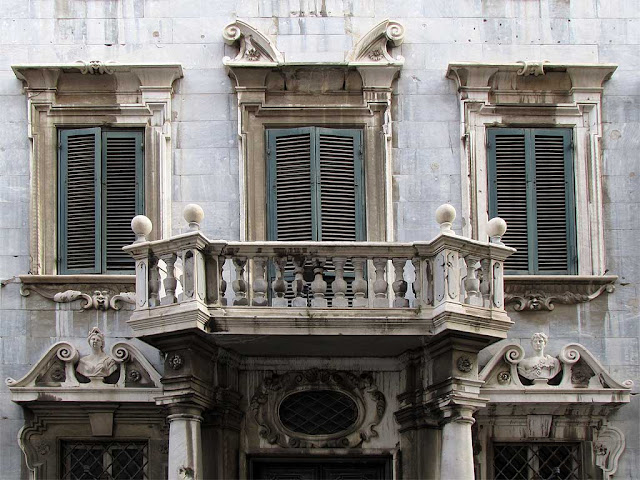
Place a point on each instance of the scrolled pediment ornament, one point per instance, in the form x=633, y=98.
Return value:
x=373, y=47
x=67, y=375
x=358, y=388
x=255, y=49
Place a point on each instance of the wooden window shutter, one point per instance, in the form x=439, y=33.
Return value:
x=315, y=184
x=531, y=187
x=339, y=179
x=122, y=195
x=79, y=201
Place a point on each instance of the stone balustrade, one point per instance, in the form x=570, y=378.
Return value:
x=449, y=270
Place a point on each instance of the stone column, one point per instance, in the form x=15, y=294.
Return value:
x=185, y=444
x=456, y=456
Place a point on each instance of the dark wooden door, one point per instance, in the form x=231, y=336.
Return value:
x=321, y=469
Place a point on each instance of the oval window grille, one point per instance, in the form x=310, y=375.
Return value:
x=318, y=412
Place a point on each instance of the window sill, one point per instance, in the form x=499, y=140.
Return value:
x=544, y=292
x=100, y=292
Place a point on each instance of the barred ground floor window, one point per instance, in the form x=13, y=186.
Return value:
x=88, y=460
x=536, y=461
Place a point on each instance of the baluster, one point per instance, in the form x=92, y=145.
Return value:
x=417, y=283
x=298, y=283
x=380, y=284
x=260, y=285
x=339, y=285
x=279, y=284
x=170, y=282
x=318, y=286
x=239, y=285
x=471, y=283
x=223, y=283
x=399, y=285
x=485, y=281
x=154, y=282
x=359, y=284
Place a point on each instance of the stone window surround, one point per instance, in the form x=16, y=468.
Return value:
x=520, y=108
x=523, y=94
x=141, y=98
x=363, y=103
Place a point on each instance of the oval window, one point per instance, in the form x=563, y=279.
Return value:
x=318, y=412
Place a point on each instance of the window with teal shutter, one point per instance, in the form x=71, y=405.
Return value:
x=531, y=186
x=315, y=184
x=100, y=191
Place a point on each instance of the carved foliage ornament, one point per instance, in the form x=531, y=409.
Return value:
x=99, y=300
x=360, y=388
x=536, y=299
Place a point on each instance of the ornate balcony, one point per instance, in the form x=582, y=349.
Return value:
x=317, y=297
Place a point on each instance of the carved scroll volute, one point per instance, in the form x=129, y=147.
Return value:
x=372, y=48
x=608, y=448
x=513, y=356
x=255, y=49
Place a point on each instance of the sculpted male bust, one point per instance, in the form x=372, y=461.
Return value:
x=97, y=365
x=540, y=367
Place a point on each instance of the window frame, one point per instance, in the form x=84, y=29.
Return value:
x=128, y=96
x=541, y=95
x=532, y=201
x=101, y=206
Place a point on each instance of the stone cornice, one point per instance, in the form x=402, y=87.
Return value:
x=543, y=292
x=150, y=75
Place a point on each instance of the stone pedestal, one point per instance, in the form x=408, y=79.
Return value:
x=185, y=444
x=456, y=455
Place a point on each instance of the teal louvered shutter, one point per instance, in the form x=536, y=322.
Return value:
x=79, y=200
x=339, y=194
x=290, y=182
x=531, y=187
x=122, y=195
x=315, y=184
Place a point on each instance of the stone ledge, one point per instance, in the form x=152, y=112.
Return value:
x=542, y=292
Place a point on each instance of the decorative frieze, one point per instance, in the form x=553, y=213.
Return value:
x=98, y=300
x=544, y=292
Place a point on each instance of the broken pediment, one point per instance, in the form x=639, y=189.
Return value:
x=574, y=376
x=62, y=374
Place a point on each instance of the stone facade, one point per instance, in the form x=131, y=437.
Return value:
x=199, y=150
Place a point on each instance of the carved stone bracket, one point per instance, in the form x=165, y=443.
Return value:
x=541, y=292
x=370, y=402
x=98, y=300
x=608, y=448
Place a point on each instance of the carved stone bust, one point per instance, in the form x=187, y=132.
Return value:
x=97, y=365
x=540, y=367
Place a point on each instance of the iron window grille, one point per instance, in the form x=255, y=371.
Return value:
x=318, y=412
x=536, y=461
x=104, y=460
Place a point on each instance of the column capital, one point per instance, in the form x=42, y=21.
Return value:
x=458, y=414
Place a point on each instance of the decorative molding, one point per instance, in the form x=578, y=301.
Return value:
x=370, y=401
x=531, y=68
x=63, y=374
x=373, y=47
x=542, y=292
x=98, y=300
x=608, y=447
x=255, y=49
x=95, y=67
x=580, y=378
x=464, y=364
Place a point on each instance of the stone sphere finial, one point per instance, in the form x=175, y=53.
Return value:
x=496, y=228
x=445, y=215
x=193, y=214
x=142, y=227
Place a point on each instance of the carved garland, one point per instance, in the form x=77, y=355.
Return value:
x=526, y=298
x=99, y=300
x=359, y=387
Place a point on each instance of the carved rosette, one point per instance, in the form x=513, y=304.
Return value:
x=359, y=387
